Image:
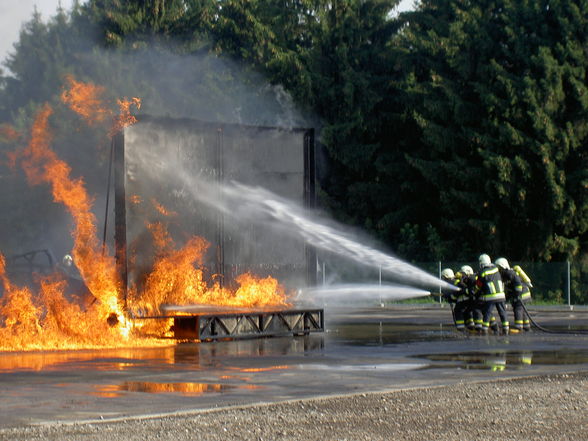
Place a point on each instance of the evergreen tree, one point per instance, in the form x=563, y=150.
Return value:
x=351, y=73
x=499, y=92
x=137, y=24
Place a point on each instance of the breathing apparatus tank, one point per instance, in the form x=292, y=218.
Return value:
x=522, y=275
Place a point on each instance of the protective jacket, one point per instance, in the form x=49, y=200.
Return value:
x=515, y=287
x=490, y=284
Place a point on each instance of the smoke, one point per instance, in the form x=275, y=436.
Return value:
x=199, y=86
x=246, y=204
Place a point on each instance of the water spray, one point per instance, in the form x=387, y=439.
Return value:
x=259, y=205
x=361, y=292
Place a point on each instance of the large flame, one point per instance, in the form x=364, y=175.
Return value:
x=178, y=279
x=47, y=319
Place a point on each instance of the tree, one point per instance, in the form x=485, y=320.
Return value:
x=499, y=93
x=351, y=73
x=138, y=24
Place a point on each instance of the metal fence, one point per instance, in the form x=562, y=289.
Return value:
x=560, y=283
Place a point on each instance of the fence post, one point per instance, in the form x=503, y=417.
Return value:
x=440, y=296
x=569, y=285
x=381, y=302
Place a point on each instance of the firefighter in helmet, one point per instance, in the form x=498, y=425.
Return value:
x=457, y=297
x=517, y=292
x=472, y=313
x=491, y=293
x=447, y=275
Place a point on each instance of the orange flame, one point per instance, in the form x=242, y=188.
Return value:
x=41, y=165
x=178, y=279
x=162, y=210
x=86, y=100
x=124, y=118
x=135, y=199
x=47, y=319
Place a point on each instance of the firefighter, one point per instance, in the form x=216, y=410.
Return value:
x=517, y=292
x=450, y=296
x=457, y=297
x=473, y=313
x=491, y=293
x=461, y=309
x=447, y=275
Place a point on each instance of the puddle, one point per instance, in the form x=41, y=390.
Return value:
x=506, y=360
x=191, y=356
x=187, y=389
x=381, y=334
x=381, y=367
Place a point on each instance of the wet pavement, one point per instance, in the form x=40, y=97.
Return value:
x=361, y=351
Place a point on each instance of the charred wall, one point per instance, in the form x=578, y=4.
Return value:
x=149, y=154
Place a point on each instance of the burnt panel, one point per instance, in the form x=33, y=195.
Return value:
x=161, y=162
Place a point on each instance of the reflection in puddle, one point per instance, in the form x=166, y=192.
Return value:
x=501, y=360
x=114, y=359
x=263, y=369
x=189, y=389
x=184, y=356
x=388, y=367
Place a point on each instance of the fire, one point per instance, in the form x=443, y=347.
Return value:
x=41, y=165
x=86, y=99
x=47, y=319
x=135, y=199
x=162, y=210
x=125, y=118
x=177, y=278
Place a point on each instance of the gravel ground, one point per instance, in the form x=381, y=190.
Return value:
x=549, y=407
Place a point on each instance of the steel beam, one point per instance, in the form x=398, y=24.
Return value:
x=256, y=324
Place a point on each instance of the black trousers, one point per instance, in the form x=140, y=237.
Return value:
x=463, y=314
x=487, y=313
x=521, y=319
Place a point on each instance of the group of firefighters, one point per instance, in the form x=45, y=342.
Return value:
x=477, y=294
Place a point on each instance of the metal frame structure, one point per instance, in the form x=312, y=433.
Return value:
x=205, y=327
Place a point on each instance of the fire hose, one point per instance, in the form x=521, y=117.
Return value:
x=550, y=331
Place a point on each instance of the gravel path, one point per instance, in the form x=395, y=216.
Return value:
x=550, y=407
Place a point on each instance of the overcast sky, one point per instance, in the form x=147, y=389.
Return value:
x=14, y=12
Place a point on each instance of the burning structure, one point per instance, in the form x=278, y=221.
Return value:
x=169, y=250
x=161, y=230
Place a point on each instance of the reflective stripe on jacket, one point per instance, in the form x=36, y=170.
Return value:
x=491, y=284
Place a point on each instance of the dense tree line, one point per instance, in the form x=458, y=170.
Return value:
x=454, y=129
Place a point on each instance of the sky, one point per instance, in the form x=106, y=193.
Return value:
x=13, y=13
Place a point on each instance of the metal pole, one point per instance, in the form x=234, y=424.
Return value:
x=440, y=296
x=569, y=284
x=380, y=278
x=110, y=161
x=380, y=282
x=324, y=275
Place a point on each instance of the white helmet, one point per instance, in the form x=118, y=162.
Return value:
x=67, y=260
x=466, y=269
x=447, y=273
x=502, y=263
x=484, y=260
